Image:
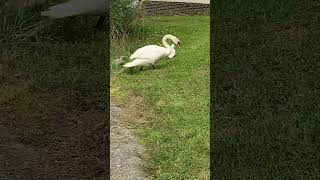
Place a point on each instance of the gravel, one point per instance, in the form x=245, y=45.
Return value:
x=125, y=151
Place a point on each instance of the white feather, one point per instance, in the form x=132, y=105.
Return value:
x=140, y=62
x=173, y=52
x=149, y=52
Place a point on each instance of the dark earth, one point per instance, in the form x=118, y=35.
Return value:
x=72, y=145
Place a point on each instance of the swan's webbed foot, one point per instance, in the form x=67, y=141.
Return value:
x=141, y=68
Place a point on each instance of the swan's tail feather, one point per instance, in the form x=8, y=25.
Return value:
x=130, y=64
x=134, y=63
x=60, y=11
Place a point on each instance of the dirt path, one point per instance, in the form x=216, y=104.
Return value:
x=125, y=161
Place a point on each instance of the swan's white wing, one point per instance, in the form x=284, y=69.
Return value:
x=139, y=62
x=77, y=7
x=149, y=52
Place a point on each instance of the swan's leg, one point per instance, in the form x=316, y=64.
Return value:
x=153, y=66
x=100, y=22
x=141, y=68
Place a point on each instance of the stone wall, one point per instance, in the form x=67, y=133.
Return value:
x=153, y=8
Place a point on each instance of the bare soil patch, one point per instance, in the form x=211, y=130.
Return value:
x=126, y=154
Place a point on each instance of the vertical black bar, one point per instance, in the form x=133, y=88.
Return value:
x=54, y=92
x=108, y=12
x=266, y=69
x=213, y=95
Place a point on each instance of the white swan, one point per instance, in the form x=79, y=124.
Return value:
x=79, y=7
x=149, y=55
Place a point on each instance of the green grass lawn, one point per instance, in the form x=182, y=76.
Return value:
x=53, y=91
x=177, y=137
x=267, y=70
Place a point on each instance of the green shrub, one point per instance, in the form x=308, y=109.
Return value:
x=124, y=16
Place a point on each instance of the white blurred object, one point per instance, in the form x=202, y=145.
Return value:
x=135, y=3
x=76, y=8
x=120, y=60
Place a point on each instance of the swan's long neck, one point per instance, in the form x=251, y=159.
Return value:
x=164, y=41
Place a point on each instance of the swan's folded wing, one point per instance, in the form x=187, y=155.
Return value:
x=149, y=52
x=138, y=62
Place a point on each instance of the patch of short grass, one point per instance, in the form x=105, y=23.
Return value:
x=267, y=67
x=177, y=137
